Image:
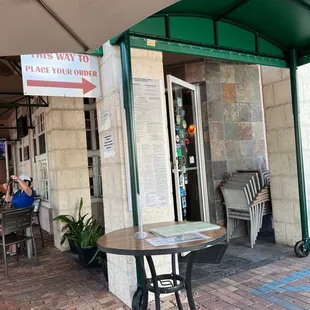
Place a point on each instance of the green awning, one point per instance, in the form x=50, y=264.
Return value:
x=262, y=31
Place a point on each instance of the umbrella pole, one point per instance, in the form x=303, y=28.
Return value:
x=301, y=247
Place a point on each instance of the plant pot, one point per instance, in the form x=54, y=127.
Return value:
x=72, y=247
x=85, y=256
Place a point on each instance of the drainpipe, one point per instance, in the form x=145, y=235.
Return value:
x=129, y=112
x=299, y=152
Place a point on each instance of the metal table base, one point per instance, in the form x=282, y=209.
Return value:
x=163, y=284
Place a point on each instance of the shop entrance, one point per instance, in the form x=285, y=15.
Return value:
x=186, y=151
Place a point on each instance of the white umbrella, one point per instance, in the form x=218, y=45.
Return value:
x=76, y=26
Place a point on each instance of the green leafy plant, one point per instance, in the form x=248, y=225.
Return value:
x=90, y=234
x=73, y=227
x=84, y=233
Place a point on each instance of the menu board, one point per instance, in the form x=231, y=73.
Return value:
x=151, y=141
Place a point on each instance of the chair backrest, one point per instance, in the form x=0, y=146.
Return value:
x=249, y=181
x=36, y=204
x=16, y=220
x=253, y=176
x=243, y=184
x=235, y=198
x=266, y=177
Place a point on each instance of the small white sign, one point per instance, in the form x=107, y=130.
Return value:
x=191, y=160
x=108, y=146
x=61, y=74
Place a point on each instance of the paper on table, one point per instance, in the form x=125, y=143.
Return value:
x=160, y=241
x=177, y=230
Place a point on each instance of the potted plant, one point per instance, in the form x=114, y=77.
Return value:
x=82, y=236
x=86, y=243
x=72, y=227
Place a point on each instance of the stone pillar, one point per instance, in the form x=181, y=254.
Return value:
x=282, y=154
x=121, y=269
x=67, y=159
x=303, y=74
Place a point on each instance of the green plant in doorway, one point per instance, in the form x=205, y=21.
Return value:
x=82, y=234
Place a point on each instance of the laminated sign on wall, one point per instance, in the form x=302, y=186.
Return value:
x=61, y=74
x=108, y=146
x=151, y=139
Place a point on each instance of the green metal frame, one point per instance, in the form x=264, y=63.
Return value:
x=97, y=52
x=204, y=51
x=129, y=111
x=299, y=152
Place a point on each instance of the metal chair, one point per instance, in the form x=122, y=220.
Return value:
x=13, y=223
x=245, y=199
x=36, y=214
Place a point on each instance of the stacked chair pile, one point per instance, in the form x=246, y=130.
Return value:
x=247, y=197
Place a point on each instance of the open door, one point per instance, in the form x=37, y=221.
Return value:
x=187, y=151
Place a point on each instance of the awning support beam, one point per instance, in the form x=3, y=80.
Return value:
x=62, y=24
x=9, y=109
x=16, y=67
x=299, y=151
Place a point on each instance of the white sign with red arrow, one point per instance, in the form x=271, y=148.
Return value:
x=61, y=74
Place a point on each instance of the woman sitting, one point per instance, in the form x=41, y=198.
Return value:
x=23, y=198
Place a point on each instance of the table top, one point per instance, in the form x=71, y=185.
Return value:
x=123, y=241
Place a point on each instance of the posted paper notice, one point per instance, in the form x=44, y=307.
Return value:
x=160, y=241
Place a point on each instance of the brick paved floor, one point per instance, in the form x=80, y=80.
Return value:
x=60, y=283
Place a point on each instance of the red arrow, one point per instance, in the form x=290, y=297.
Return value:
x=85, y=85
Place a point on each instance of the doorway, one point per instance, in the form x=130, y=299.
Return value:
x=186, y=151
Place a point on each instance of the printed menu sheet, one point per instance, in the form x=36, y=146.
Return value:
x=186, y=228
x=153, y=159
x=160, y=241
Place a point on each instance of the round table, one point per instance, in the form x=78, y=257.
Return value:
x=123, y=242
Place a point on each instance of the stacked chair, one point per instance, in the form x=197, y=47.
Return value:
x=247, y=197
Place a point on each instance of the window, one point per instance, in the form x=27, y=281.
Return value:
x=35, y=153
x=40, y=179
x=92, y=140
x=26, y=153
x=40, y=166
x=95, y=182
x=91, y=126
x=23, y=150
x=40, y=134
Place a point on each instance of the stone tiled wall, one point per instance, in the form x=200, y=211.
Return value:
x=232, y=121
x=281, y=153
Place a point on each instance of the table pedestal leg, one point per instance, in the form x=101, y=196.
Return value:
x=177, y=295
x=155, y=282
x=188, y=281
x=141, y=296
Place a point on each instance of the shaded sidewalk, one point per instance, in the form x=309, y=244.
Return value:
x=61, y=283
x=58, y=283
